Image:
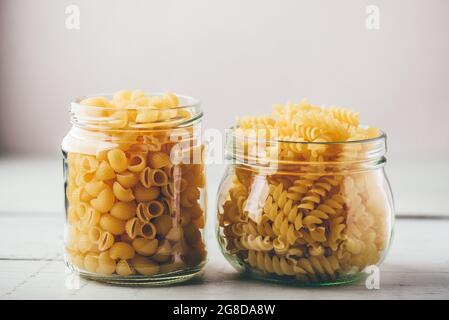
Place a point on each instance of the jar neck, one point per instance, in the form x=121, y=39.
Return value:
x=305, y=157
x=111, y=125
x=133, y=118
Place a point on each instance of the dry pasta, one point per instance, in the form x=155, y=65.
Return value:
x=121, y=193
x=309, y=212
x=131, y=211
x=124, y=210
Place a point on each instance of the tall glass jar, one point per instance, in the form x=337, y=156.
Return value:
x=135, y=188
x=318, y=218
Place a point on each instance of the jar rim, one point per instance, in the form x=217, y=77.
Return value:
x=381, y=137
x=270, y=152
x=193, y=101
x=87, y=116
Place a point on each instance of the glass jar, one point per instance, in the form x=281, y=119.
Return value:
x=135, y=189
x=318, y=217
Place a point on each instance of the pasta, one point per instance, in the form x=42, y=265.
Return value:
x=147, y=230
x=145, y=266
x=301, y=203
x=127, y=179
x=111, y=224
x=91, y=262
x=145, y=247
x=121, y=193
x=123, y=268
x=105, y=172
x=136, y=163
x=105, y=241
x=106, y=265
x=94, y=234
x=158, y=177
x=143, y=194
x=163, y=224
x=131, y=210
x=93, y=188
x=104, y=201
x=124, y=210
x=121, y=250
x=117, y=160
x=132, y=228
x=158, y=160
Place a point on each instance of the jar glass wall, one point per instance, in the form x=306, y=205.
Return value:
x=318, y=221
x=135, y=189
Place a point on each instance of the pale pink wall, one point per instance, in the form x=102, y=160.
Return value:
x=236, y=56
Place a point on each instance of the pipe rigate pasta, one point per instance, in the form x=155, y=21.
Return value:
x=93, y=188
x=127, y=179
x=136, y=163
x=84, y=243
x=121, y=193
x=132, y=228
x=158, y=177
x=84, y=178
x=124, y=268
x=163, y=224
x=81, y=209
x=105, y=241
x=94, y=234
x=168, y=190
x=143, y=194
x=306, y=198
x=106, y=265
x=117, y=160
x=163, y=251
x=104, y=201
x=158, y=160
x=145, y=177
x=154, y=209
x=147, y=230
x=121, y=250
x=104, y=172
x=132, y=213
x=145, y=247
x=174, y=234
x=112, y=224
x=124, y=210
x=89, y=164
x=145, y=266
x=77, y=259
x=91, y=262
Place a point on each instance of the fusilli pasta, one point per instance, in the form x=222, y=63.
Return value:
x=321, y=218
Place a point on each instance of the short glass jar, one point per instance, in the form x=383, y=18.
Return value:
x=319, y=218
x=135, y=189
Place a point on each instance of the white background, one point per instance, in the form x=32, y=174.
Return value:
x=238, y=57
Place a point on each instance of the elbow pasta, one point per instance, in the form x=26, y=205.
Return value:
x=131, y=211
x=319, y=214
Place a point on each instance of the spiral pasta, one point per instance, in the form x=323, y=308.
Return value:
x=313, y=217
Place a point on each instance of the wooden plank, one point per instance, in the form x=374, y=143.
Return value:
x=47, y=280
x=31, y=185
x=416, y=268
x=31, y=237
x=419, y=188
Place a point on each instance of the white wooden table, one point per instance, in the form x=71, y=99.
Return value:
x=31, y=266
